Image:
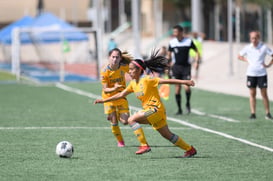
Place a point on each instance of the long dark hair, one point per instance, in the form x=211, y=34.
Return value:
x=126, y=58
x=156, y=63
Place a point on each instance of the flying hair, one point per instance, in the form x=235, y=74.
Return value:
x=126, y=58
x=156, y=63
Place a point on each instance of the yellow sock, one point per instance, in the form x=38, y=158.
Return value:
x=176, y=140
x=139, y=134
x=116, y=132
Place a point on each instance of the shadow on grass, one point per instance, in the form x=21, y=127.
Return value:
x=180, y=157
x=152, y=146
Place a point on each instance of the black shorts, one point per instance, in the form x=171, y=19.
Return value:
x=253, y=82
x=181, y=72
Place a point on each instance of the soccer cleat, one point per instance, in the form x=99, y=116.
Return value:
x=190, y=153
x=188, y=107
x=268, y=116
x=252, y=116
x=121, y=144
x=179, y=112
x=143, y=149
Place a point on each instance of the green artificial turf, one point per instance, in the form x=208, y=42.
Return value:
x=35, y=118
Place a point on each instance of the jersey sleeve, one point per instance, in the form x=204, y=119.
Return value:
x=269, y=51
x=170, y=49
x=193, y=46
x=243, y=52
x=104, y=78
x=153, y=81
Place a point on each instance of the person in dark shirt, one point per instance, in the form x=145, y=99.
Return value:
x=178, y=53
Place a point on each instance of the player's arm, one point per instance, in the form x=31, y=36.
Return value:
x=122, y=94
x=242, y=58
x=169, y=57
x=269, y=64
x=107, y=89
x=197, y=57
x=176, y=81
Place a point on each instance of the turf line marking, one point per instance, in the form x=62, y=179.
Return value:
x=74, y=90
x=77, y=91
x=214, y=116
x=220, y=134
x=76, y=127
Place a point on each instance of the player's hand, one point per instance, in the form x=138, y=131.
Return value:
x=98, y=101
x=190, y=83
x=117, y=86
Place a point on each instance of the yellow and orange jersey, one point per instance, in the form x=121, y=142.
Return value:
x=111, y=77
x=146, y=90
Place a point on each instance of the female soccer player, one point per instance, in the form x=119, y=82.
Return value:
x=113, y=82
x=153, y=113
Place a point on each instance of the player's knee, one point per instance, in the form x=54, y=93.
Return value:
x=124, y=121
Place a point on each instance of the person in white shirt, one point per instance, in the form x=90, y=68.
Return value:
x=254, y=54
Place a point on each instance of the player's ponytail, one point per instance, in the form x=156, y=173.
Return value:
x=156, y=63
x=126, y=58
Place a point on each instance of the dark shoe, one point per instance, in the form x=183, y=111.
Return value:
x=268, y=116
x=252, y=116
x=188, y=107
x=190, y=153
x=179, y=112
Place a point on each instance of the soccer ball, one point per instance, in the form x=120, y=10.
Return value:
x=64, y=149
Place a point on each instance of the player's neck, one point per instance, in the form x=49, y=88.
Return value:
x=180, y=38
x=113, y=67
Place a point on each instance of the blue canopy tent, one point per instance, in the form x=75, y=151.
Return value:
x=42, y=30
x=6, y=32
x=55, y=30
x=46, y=28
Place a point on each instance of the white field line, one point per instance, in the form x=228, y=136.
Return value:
x=70, y=89
x=214, y=116
x=76, y=127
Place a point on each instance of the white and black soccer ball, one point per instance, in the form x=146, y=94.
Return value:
x=64, y=149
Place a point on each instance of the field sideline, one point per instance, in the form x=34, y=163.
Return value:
x=34, y=118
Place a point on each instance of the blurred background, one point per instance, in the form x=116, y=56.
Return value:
x=81, y=45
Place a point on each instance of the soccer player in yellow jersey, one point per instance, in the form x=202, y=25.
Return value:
x=113, y=81
x=153, y=113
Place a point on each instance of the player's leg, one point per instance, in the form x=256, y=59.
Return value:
x=252, y=102
x=188, y=97
x=178, y=141
x=176, y=69
x=121, y=114
x=187, y=76
x=134, y=121
x=252, y=84
x=115, y=128
x=123, y=111
x=265, y=100
x=262, y=83
x=178, y=99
